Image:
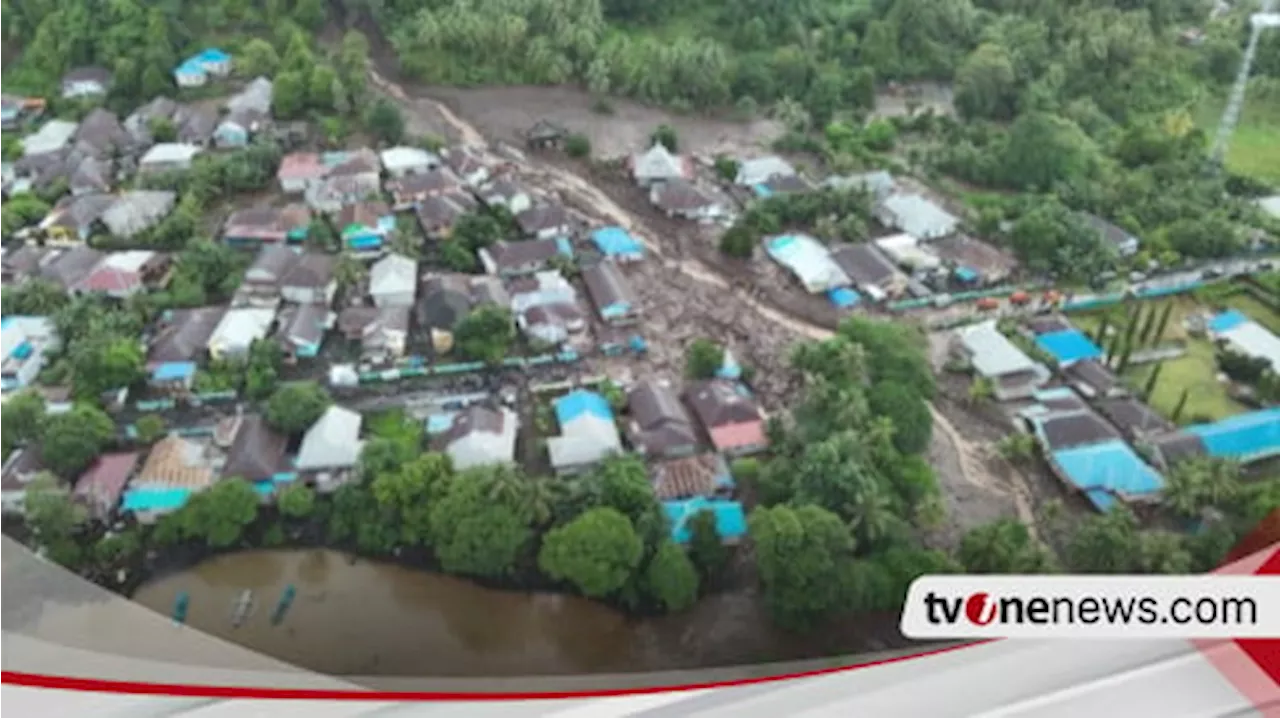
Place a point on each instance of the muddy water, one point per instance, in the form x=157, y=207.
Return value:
x=370, y=618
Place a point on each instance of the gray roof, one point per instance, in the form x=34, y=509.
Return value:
x=184, y=334
x=92, y=175
x=489, y=290
x=310, y=269
x=101, y=133
x=515, y=254
x=992, y=353
x=258, y=452
x=679, y=195
x=542, y=216
x=274, y=260
x=256, y=96
x=445, y=299
x=70, y=266
x=718, y=403
x=305, y=322
x=80, y=212
x=195, y=125
x=138, y=123
x=865, y=265
x=661, y=421
x=918, y=216
x=138, y=210
x=758, y=170
x=607, y=285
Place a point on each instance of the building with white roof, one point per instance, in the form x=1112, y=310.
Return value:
x=393, y=281
x=239, y=329
x=907, y=251
x=27, y=341
x=809, y=260
x=1246, y=337
x=916, y=215
x=402, y=161
x=658, y=164
x=51, y=137
x=332, y=443
x=759, y=170
x=169, y=157
x=1013, y=374
x=480, y=436
x=588, y=433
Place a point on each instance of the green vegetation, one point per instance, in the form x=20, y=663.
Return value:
x=1254, y=150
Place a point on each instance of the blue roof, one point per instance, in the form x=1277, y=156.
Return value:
x=564, y=246
x=579, y=402
x=212, y=54
x=965, y=274
x=22, y=351
x=1101, y=499
x=1110, y=465
x=170, y=371
x=4, y=323
x=155, y=499
x=763, y=191
x=1227, y=321
x=844, y=297
x=781, y=243
x=439, y=423
x=1069, y=345
x=731, y=519
x=264, y=487
x=729, y=368
x=1244, y=437
x=616, y=241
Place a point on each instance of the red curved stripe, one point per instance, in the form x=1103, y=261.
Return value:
x=69, y=683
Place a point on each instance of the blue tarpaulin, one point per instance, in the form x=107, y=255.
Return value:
x=1112, y=465
x=1069, y=345
x=844, y=297
x=617, y=242
x=1227, y=321
x=439, y=423
x=155, y=499
x=731, y=520
x=579, y=402
x=965, y=274
x=1244, y=437
x=174, y=371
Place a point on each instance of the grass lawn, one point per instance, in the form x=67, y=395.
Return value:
x=1197, y=371
x=1255, y=147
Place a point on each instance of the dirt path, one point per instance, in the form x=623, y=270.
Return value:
x=979, y=498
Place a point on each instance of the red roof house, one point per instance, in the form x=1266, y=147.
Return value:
x=101, y=485
x=731, y=417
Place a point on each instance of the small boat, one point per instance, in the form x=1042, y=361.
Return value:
x=282, y=606
x=243, y=606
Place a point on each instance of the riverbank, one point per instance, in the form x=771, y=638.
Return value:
x=355, y=615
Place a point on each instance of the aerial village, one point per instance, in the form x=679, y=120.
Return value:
x=480, y=295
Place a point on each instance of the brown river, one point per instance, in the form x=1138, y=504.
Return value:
x=361, y=617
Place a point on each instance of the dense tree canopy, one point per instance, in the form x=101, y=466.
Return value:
x=595, y=552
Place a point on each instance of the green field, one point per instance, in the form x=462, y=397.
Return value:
x=1255, y=147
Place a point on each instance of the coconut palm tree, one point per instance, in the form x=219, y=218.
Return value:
x=1201, y=483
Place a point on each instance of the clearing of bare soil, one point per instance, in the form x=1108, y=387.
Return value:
x=503, y=113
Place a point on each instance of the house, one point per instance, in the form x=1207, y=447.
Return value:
x=545, y=221
x=809, y=260
x=258, y=452
x=337, y=190
x=611, y=293
x=197, y=69
x=1092, y=379
x=974, y=260
x=444, y=301
x=658, y=164
x=175, y=469
x=908, y=252
x=402, y=161
x=469, y=163
x=179, y=342
x=617, y=244
x=24, y=262
x=510, y=259
x=136, y=211
x=72, y=219
x=100, y=134
x=730, y=519
x=588, y=433
x=300, y=329
x=505, y=192
x=781, y=184
x=544, y=134
x=27, y=344
x=660, y=425
x=86, y=82
x=239, y=328
x=168, y=157
x=551, y=324
x=678, y=198
x=549, y=287
x=281, y=272
x=248, y=112
x=51, y=137
x=410, y=190
x=22, y=467
x=66, y=267
x=1013, y=374
x=915, y=215
x=365, y=226
x=37, y=172
x=139, y=122
x=14, y=111
x=122, y=274
x=300, y=170
x=393, y=281
x=1124, y=242
x=196, y=125
x=1134, y=418
x=877, y=185
x=383, y=332
x=690, y=476
x=480, y=436
x=757, y=171
x=332, y=444
x=100, y=487
x=871, y=272
x=489, y=291
x=729, y=415
x=257, y=226
x=437, y=214
x=89, y=175
x=1245, y=337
